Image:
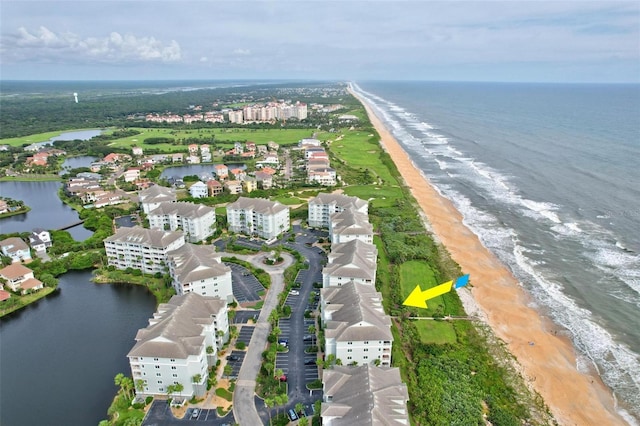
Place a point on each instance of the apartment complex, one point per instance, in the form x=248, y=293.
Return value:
x=258, y=217
x=366, y=395
x=357, y=330
x=351, y=261
x=172, y=349
x=140, y=248
x=324, y=205
x=350, y=225
x=198, y=222
x=151, y=197
x=199, y=269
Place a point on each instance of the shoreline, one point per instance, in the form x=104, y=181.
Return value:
x=548, y=366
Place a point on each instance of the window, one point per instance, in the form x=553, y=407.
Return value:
x=158, y=374
x=175, y=375
x=155, y=359
x=173, y=367
x=157, y=366
x=173, y=360
x=159, y=382
x=349, y=350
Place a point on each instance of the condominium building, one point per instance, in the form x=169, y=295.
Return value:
x=350, y=225
x=258, y=216
x=351, y=261
x=324, y=205
x=198, y=269
x=357, y=331
x=140, y=248
x=197, y=221
x=151, y=197
x=364, y=396
x=172, y=349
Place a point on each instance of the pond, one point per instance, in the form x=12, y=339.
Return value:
x=47, y=210
x=60, y=354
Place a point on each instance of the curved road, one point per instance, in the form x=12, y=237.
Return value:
x=244, y=408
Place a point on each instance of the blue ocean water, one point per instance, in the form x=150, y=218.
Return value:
x=548, y=176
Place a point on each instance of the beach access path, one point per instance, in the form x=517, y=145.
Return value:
x=547, y=359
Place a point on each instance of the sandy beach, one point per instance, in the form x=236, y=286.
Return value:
x=547, y=360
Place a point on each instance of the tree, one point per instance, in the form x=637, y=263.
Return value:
x=125, y=383
x=280, y=401
x=179, y=387
x=299, y=407
x=140, y=385
x=279, y=374
x=312, y=331
x=269, y=403
x=228, y=370
x=197, y=378
x=303, y=421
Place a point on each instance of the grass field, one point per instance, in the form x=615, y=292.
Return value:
x=415, y=272
x=438, y=332
x=259, y=136
x=355, y=148
x=378, y=196
x=40, y=137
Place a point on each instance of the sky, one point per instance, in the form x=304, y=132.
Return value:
x=510, y=41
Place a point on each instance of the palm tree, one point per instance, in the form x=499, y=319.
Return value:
x=299, y=407
x=140, y=385
x=303, y=421
x=196, y=378
x=228, y=370
x=269, y=403
x=279, y=374
x=280, y=400
x=312, y=331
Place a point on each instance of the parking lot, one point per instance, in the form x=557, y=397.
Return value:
x=246, y=288
x=243, y=317
x=246, y=331
x=234, y=359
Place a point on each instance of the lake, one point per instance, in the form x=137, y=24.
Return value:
x=60, y=354
x=47, y=210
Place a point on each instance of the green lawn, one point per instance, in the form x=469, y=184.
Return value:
x=288, y=200
x=223, y=393
x=383, y=196
x=39, y=137
x=437, y=332
x=415, y=272
x=259, y=136
x=357, y=150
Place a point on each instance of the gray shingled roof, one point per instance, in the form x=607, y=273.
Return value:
x=157, y=194
x=181, y=208
x=356, y=313
x=351, y=222
x=365, y=250
x=340, y=200
x=364, y=396
x=175, y=331
x=143, y=236
x=259, y=205
x=351, y=264
x=195, y=262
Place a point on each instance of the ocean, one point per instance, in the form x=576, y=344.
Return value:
x=548, y=177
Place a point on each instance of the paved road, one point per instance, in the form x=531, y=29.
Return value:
x=244, y=408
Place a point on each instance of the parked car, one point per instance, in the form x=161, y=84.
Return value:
x=233, y=358
x=292, y=415
x=294, y=293
x=311, y=361
x=283, y=342
x=195, y=413
x=282, y=378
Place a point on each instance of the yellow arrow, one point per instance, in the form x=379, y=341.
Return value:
x=418, y=298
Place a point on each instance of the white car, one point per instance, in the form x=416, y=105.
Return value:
x=294, y=293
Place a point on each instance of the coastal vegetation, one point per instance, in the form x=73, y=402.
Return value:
x=456, y=372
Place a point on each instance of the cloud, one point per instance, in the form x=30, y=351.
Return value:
x=44, y=45
x=242, y=52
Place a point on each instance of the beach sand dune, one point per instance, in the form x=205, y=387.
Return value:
x=547, y=360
